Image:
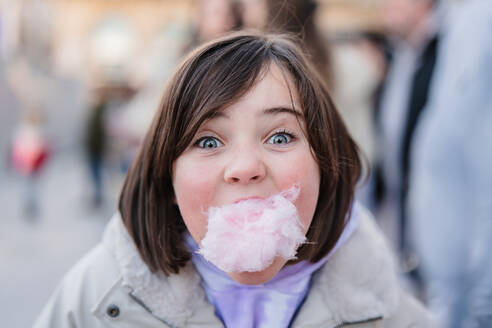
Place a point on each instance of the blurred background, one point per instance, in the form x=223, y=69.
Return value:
x=80, y=81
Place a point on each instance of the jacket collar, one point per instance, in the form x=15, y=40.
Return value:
x=357, y=283
x=173, y=299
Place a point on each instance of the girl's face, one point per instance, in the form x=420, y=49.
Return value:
x=254, y=148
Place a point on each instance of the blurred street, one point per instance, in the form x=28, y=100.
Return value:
x=36, y=252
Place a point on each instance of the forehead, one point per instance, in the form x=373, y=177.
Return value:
x=273, y=89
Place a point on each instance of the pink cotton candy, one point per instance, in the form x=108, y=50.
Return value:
x=248, y=235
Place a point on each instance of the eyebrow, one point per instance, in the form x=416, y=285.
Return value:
x=267, y=111
x=278, y=110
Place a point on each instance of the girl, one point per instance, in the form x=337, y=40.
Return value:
x=246, y=124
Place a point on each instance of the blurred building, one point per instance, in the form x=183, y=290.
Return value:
x=348, y=16
x=97, y=40
x=125, y=39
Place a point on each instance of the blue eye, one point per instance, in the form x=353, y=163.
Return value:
x=208, y=143
x=280, y=139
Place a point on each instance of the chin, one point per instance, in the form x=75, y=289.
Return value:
x=258, y=277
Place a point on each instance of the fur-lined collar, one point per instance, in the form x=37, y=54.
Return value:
x=357, y=283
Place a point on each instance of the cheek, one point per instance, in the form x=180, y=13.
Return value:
x=308, y=198
x=194, y=188
x=305, y=172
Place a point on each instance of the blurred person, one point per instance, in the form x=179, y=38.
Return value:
x=413, y=29
x=107, y=136
x=213, y=19
x=246, y=131
x=359, y=65
x=217, y=17
x=30, y=150
x=119, y=128
x=95, y=143
x=254, y=14
x=450, y=200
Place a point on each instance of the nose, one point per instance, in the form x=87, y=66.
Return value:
x=245, y=166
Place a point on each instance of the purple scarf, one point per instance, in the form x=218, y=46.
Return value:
x=272, y=304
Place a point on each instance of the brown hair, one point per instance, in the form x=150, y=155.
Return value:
x=212, y=77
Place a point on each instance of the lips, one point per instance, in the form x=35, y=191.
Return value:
x=290, y=194
x=248, y=198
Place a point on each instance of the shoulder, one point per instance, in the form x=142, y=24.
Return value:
x=359, y=284
x=410, y=313
x=377, y=263
x=364, y=258
x=81, y=290
x=98, y=267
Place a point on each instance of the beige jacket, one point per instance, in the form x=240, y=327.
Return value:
x=111, y=287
